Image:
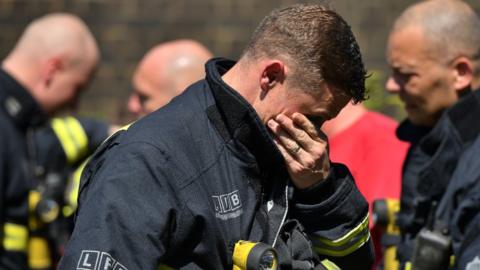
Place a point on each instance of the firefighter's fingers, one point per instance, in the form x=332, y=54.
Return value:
x=298, y=134
x=284, y=138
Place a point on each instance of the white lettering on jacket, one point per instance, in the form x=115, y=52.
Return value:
x=96, y=260
x=228, y=206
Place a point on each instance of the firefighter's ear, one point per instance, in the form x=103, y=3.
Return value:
x=463, y=73
x=273, y=73
x=51, y=68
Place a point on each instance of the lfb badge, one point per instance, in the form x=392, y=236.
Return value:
x=474, y=264
x=96, y=260
x=227, y=205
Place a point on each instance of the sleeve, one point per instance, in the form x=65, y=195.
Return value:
x=127, y=211
x=13, y=223
x=469, y=253
x=71, y=139
x=3, y=177
x=335, y=215
x=465, y=231
x=49, y=153
x=461, y=209
x=97, y=131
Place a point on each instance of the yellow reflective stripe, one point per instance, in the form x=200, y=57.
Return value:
x=15, y=237
x=346, y=244
x=60, y=130
x=39, y=253
x=330, y=265
x=71, y=194
x=346, y=238
x=72, y=137
x=452, y=260
x=126, y=126
x=164, y=267
x=74, y=185
x=408, y=266
x=79, y=136
x=346, y=251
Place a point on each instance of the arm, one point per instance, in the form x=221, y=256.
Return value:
x=469, y=252
x=126, y=211
x=68, y=141
x=327, y=201
x=335, y=215
x=97, y=131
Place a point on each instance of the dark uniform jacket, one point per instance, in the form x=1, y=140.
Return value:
x=181, y=186
x=18, y=114
x=439, y=176
x=60, y=148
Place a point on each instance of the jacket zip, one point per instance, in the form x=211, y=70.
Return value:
x=284, y=217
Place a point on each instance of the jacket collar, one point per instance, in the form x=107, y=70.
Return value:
x=464, y=116
x=18, y=104
x=409, y=132
x=459, y=117
x=240, y=120
x=443, y=145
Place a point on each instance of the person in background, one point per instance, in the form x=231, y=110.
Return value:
x=237, y=156
x=434, y=51
x=44, y=73
x=164, y=72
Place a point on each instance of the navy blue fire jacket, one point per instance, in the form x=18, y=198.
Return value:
x=442, y=169
x=182, y=185
x=19, y=115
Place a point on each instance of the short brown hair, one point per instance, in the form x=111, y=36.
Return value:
x=317, y=42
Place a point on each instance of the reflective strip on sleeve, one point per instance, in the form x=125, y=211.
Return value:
x=15, y=237
x=71, y=194
x=164, y=267
x=346, y=244
x=72, y=137
x=408, y=266
x=452, y=260
x=329, y=265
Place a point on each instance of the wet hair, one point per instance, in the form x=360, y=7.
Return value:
x=317, y=43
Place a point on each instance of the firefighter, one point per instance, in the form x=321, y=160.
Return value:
x=433, y=51
x=237, y=156
x=42, y=75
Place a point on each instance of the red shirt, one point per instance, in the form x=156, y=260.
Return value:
x=374, y=155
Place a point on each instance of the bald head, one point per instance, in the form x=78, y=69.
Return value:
x=57, y=34
x=164, y=72
x=434, y=51
x=53, y=58
x=451, y=27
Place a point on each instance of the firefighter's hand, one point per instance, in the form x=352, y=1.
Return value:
x=304, y=148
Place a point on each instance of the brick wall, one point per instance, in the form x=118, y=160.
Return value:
x=125, y=29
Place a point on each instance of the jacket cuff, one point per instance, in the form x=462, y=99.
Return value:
x=336, y=199
x=322, y=189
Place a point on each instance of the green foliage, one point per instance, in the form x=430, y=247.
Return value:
x=379, y=99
